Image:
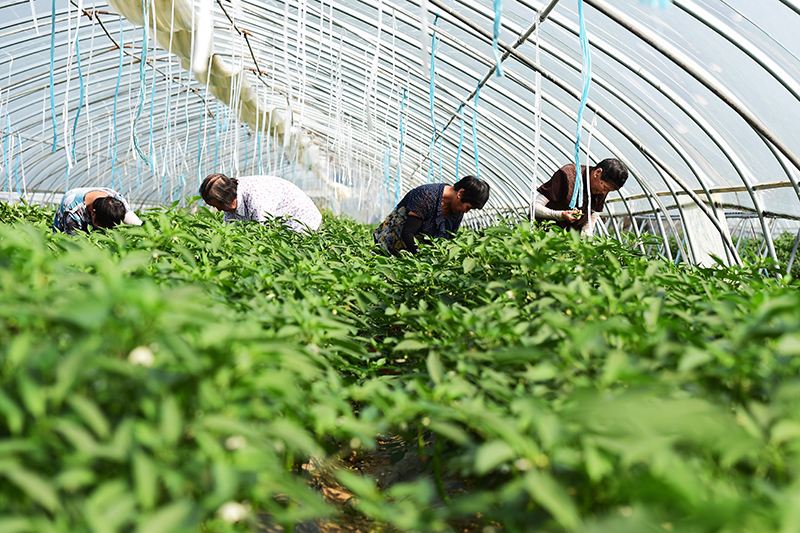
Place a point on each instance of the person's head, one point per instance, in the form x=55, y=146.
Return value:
x=471, y=193
x=609, y=175
x=218, y=190
x=107, y=212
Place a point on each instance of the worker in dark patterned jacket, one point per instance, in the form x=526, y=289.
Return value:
x=433, y=210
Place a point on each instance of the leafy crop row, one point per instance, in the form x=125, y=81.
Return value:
x=177, y=376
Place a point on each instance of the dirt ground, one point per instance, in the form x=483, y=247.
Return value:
x=388, y=463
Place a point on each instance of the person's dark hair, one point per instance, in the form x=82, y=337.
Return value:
x=476, y=191
x=219, y=188
x=108, y=212
x=614, y=171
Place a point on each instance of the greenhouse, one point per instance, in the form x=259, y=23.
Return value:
x=169, y=371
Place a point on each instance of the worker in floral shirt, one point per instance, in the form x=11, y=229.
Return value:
x=259, y=198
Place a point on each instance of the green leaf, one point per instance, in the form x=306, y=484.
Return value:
x=171, y=421
x=33, y=396
x=168, y=519
x=35, y=487
x=145, y=476
x=491, y=455
x=693, y=358
x=552, y=496
x=435, y=368
x=597, y=465
x=91, y=414
x=14, y=415
x=14, y=524
x=468, y=264
x=410, y=345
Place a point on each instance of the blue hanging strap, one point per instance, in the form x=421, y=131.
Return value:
x=587, y=81
x=80, y=104
x=152, y=114
x=433, y=78
x=52, y=61
x=475, y=130
x=498, y=14
x=142, y=83
x=663, y=4
x=400, y=151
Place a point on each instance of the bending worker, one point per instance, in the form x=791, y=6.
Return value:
x=98, y=207
x=552, y=202
x=258, y=197
x=433, y=210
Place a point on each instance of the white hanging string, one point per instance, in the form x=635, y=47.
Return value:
x=88, y=119
x=424, y=36
x=22, y=169
x=372, y=74
x=33, y=16
x=537, y=135
x=65, y=106
x=588, y=181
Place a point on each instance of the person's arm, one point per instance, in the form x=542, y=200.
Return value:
x=69, y=225
x=585, y=229
x=542, y=212
x=131, y=219
x=410, y=229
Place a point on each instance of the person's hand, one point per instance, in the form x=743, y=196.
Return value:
x=572, y=215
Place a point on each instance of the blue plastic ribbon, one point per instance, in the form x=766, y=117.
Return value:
x=498, y=14
x=587, y=82
x=663, y=4
x=142, y=83
x=80, y=104
x=152, y=115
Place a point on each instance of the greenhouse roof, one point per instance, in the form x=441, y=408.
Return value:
x=360, y=101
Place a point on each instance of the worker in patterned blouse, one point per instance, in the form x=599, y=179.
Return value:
x=552, y=202
x=92, y=206
x=260, y=197
x=433, y=210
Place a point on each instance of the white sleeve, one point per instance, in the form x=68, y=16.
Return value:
x=585, y=229
x=131, y=219
x=541, y=212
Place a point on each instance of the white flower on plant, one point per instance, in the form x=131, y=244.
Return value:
x=232, y=512
x=235, y=442
x=141, y=355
